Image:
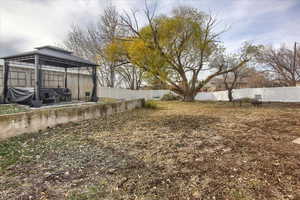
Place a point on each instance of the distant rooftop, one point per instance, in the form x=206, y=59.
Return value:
x=53, y=55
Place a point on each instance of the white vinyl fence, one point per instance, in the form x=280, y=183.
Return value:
x=280, y=94
x=126, y=94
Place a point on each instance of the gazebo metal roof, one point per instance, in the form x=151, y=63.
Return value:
x=53, y=56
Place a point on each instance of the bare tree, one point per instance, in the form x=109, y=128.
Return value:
x=232, y=79
x=132, y=76
x=279, y=62
x=89, y=42
x=257, y=78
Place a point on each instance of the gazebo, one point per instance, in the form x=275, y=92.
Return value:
x=47, y=56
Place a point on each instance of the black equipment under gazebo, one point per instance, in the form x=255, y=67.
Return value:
x=49, y=56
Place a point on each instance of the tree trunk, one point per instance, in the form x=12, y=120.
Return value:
x=112, y=77
x=133, y=77
x=294, y=83
x=189, y=97
x=230, y=97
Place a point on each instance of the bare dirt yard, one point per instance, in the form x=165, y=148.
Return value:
x=178, y=151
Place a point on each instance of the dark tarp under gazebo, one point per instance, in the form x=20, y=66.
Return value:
x=49, y=56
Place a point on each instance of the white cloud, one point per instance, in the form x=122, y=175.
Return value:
x=46, y=22
x=25, y=24
x=245, y=16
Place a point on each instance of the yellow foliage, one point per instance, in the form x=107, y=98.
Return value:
x=115, y=50
x=177, y=34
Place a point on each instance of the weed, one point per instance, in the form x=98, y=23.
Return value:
x=150, y=104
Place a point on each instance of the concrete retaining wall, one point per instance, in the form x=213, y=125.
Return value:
x=36, y=120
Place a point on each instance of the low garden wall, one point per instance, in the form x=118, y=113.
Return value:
x=41, y=119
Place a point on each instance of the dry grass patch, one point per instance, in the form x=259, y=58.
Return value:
x=178, y=151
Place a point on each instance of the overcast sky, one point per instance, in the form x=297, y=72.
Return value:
x=25, y=24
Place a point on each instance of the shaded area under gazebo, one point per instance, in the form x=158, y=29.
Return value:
x=47, y=56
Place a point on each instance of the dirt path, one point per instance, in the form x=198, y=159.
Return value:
x=180, y=151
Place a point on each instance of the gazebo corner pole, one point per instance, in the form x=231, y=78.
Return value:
x=5, y=80
x=37, y=78
x=66, y=77
x=41, y=75
x=78, y=87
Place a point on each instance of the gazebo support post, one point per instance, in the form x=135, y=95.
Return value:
x=5, y=81
x=94, y=97
x=78, y=86
x=41, y=75
x=37, y=102
x=66, y=77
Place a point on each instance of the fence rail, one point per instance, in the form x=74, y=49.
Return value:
x=126, y=94
x=278, y=94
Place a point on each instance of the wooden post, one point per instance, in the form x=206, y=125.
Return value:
x=5, y=80
x=66, y=77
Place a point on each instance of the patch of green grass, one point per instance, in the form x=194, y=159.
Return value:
x=95, y=192
x=170, y=97
x=151, y=104
x=9, y=154
x=108, y=100
x=12, y=151
x=9, y=109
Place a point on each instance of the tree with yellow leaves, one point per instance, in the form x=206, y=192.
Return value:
x=175, y=49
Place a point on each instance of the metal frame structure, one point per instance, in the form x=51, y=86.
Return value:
x=50, y=56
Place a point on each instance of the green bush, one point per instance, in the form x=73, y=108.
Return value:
x=150, y=104
x=246, y=100
x=170, y=97
x=243, y=100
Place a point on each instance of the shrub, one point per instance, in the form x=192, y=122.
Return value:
x=108, y=100
x=150, y=104
x=170, y=97
x=246, y=100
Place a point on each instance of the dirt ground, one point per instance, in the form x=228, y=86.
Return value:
x=178, y=151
